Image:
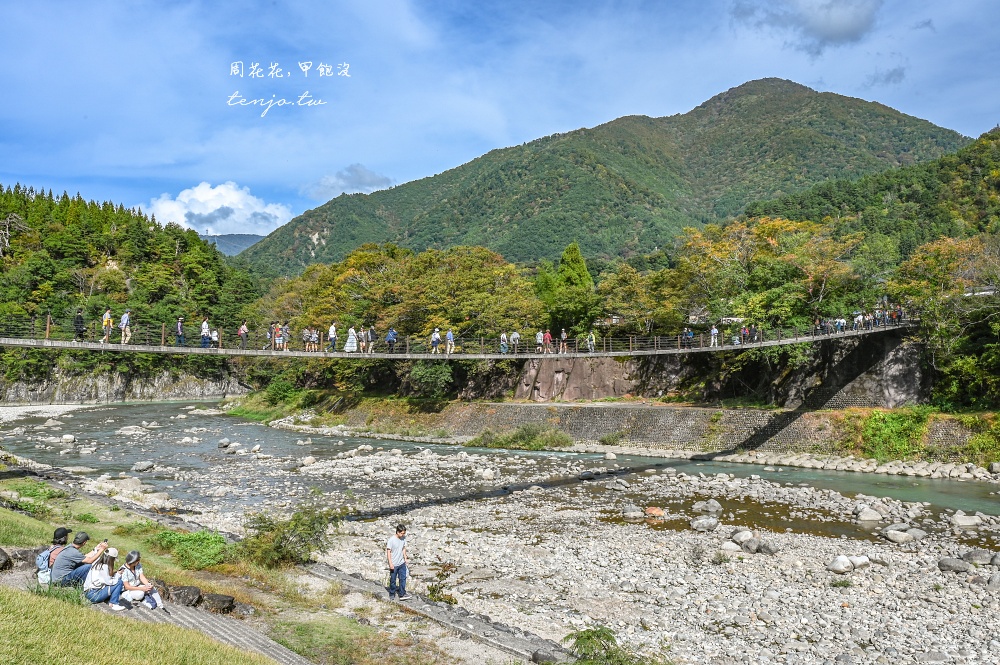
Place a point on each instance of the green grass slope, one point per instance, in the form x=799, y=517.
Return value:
x=624, y=187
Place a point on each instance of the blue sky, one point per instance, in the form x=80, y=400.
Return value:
x=134, y=102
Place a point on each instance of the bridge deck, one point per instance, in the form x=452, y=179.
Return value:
x=663, y=346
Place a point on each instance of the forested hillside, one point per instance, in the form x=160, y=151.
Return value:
x=954, y=196
x=64, y=253
x=623, y=188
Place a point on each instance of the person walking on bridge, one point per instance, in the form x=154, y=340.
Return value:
x=79, y=327
x=206, y=333
x=436, y=341
x=351, y=345
x=591, y=340
x=390, y=339
x=332, y=336
x=179, y=332
x=243, y=332
x=371, y=339
x=125, y=324
x=449, y=339
x=515, y=340
x=106, y=325
x=547, y=341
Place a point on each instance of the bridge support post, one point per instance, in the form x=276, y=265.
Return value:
x=48, y=325
x=163, y=335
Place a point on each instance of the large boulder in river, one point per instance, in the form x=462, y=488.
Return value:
x=705, y=523
x=141, y=467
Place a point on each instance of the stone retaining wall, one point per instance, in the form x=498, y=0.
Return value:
x=641, y=426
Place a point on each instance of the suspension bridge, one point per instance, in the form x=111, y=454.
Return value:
x=149, y=339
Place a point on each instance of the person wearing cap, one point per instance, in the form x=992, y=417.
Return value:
x=135, y=584
x=179, y=332
x=125, y=324
x=206, y=333
x=100, y=585
x=71, y=566
x=59, y=538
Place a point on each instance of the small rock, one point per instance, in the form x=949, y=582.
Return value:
x=143, y=466
x=185, y=595
x=859, y=562
x=217, y=603
x=966, y=521
x=751, y=546
x=869, y=515
x=741, y=536
x=704, y=523
x=899, y=537
x=68, y=438
x=255, y=449
x=309, y=461
x=654, y=511
x=586, y=475
x=841, y=565
x=632, y=513
x=610, y=456
x=978, y=557
x=952, y=565
x=6, y=563
x=768, y=548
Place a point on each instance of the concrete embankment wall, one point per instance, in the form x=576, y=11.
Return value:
x=643, y=426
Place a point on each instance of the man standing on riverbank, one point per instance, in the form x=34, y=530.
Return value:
x=395, y=553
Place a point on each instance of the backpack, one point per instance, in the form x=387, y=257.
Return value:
x=42, y=563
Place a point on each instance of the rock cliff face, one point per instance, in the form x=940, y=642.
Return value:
x=60, y=388
x=876, y=370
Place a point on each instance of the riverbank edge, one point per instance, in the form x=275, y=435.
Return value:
x=794, y=433
x=480, y=628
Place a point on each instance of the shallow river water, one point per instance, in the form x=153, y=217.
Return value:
x=184, y=445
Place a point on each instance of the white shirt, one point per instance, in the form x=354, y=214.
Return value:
x=204, y=329
x=98, y=578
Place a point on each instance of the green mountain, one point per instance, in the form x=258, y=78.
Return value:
x=955, y=196
x=232, y=244
x=624, y=187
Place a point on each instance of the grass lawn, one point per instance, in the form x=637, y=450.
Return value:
x=341, y=641
x=46, y=630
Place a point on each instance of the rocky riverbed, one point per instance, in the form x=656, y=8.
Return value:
x=736, y=567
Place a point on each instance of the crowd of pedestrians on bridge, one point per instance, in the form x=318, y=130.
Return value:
x=278, y=335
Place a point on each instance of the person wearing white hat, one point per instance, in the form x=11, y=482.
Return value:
x=136, y=585
x=100, y=586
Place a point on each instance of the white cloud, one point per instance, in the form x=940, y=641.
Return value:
x=816, y=24
x=227, y=208
x=353, y=179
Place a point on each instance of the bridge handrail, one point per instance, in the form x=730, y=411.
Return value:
x=144, y=334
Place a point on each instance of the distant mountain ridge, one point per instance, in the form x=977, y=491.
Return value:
x=232, y=244
x=625, y=187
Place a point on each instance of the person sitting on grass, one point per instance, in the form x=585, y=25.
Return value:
x=100, y=585
x=71, y=566
x=135, y=584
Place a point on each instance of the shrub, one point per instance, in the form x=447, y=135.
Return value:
x=532, y=436
x=430, y=378
x=279, y=391
x=86, y=518
x=598, y=646
x=272, y=542
x=890, y=435
x=193, y=551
